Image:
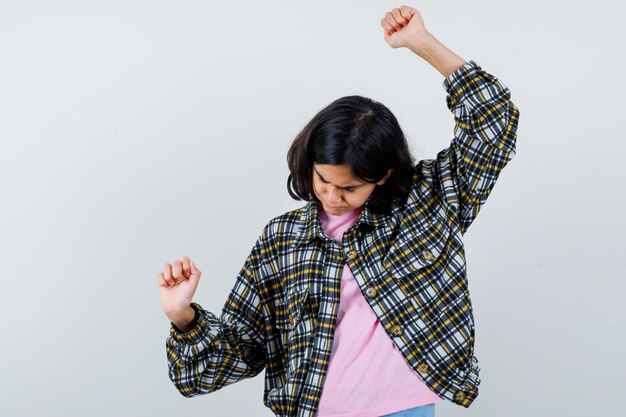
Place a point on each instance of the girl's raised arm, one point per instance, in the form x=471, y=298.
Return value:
x=404, y=27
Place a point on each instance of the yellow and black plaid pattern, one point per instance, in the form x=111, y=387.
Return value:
x=410, y=264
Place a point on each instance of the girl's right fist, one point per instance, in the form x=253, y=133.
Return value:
x=177, y=284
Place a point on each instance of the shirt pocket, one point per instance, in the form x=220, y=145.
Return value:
x=296, y=322
x=420, y=243
x=426, y=267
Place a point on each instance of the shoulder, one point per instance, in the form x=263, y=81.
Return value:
x=426, y=175
x=423, y=169
x=431, y=185
x=286, y=222
x=283, y=229
x=273, y=244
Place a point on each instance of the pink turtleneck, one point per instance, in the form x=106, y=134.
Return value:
x=367, y=375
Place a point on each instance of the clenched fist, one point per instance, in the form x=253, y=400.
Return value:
x=177, y=284
x=403, y=26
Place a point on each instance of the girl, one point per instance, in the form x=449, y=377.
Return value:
x=357, y=304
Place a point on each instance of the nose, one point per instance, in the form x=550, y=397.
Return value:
x=334, y=195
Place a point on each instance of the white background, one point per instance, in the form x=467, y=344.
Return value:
x=135, y=132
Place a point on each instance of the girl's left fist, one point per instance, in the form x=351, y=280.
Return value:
x=402, y=25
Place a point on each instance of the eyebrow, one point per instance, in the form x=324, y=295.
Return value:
x=344, y=187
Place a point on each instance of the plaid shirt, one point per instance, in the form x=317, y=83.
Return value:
x=410, y=265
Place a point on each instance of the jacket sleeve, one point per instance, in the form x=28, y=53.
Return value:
x=483, y=143
x=220, y=351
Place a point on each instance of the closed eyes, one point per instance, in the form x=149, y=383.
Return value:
x=348, y=188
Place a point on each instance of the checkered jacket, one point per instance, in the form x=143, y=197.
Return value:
x=410, y=265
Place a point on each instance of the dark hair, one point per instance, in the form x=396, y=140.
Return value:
x=361, y=133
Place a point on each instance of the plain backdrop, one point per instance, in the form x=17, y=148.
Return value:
x=135, y=132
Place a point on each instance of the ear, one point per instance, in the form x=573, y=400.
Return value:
x=387, y=175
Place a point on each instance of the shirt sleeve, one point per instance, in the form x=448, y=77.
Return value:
x=484, y=140
x=218, y=351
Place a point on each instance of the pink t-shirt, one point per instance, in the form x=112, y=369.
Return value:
x=367, y=375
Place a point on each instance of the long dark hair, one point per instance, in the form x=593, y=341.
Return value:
x=361, y=133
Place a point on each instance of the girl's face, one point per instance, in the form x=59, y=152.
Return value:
x=338, y=190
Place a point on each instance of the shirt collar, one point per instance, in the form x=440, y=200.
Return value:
x=310, y=226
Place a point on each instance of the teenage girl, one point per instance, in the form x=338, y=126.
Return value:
x=357, y=303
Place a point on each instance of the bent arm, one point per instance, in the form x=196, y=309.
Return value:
x=218, y=351
x=485, y=127
x=485, y=136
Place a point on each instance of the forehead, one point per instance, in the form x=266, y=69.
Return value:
x=340, y=175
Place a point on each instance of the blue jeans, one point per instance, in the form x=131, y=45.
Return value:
x=427, y=410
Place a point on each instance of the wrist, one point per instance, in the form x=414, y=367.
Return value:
x=183, y=319
x=422, y=44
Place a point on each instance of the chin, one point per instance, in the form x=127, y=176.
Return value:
x=337, y=211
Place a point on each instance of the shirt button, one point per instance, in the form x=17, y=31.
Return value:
x=427, y=255
x=352, y=254
x=370, y=291
x=422, y=367
x=459, y=396
x=396, y=330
